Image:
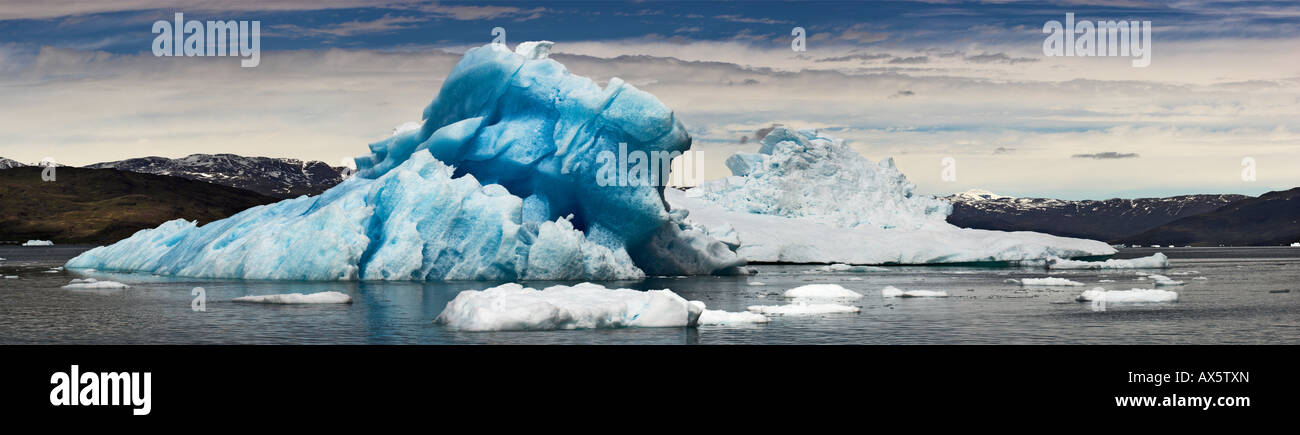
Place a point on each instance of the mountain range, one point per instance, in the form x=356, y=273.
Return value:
x=1108, y=220
x=84, y=205
x=1270, y=219
x=270, y=176
x=275, y=177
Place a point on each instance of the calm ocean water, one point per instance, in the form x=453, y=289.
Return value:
x=1249, y=296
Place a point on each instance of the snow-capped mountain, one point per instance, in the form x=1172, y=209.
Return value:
x=1109, y=219
x=6, y=163
x=276, y=177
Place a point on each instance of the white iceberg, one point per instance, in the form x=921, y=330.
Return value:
x=38, y=243
x=298, y=298
x=809, y=198
x=803, y=308
x=894, y=292
x=92, y=283
x=822, y=291
x=1155, y=261
x=513, y=307
x=1099, y=294
x=506, y=177
x=1049, y=281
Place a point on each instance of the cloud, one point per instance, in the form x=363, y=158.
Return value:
x=856, y=56
x=862, y=34
x=1200, y=118
x=902, y=93
x=474, y=13
x=22, y=9
x=741, y=19
x=999, y=58
x=913, y=60
x=387, y=23
x=1106, y=155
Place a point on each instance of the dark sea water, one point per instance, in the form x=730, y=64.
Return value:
x=1249, y=296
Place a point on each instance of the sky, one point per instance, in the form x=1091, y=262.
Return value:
x=919, y=81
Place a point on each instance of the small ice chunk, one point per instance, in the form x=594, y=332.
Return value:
x=1162, y=280
x=719, y=317
x=91, y=283
x=1200, y=278
x=802, y=308
x=38, y=243
x=1155, y=261
x=1052, y=281
x=298, y=298
x=842, y=267
x=513, y=307
x=11, y=276
x=822, y=291
x=894, y=292
x=756, y=283
x=1135, y=295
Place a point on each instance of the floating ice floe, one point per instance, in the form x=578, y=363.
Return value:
x=92, y=283
x=38, y=243
x=842, y=267
x=298, y=298
x=1155, y=261
x=1162, y=280
x=756, y=283
x=806, y=197
x=1200, y=278
x=1099, y=294
x=507, y=177
x=719, y=317
x=894, y=292
x=803, y=308
x=513, y=307
x=1049, y=281
x=822, y=291
x=11, y=276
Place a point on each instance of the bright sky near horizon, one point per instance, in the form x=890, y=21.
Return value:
x=915, y=80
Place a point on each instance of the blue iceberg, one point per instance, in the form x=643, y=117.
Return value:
x=498, y=182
